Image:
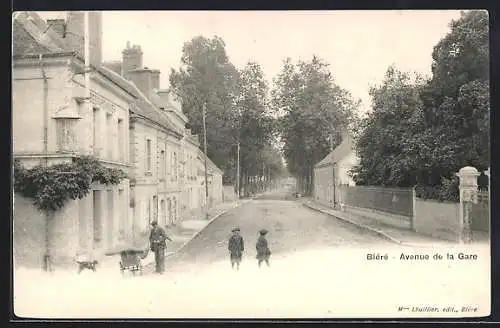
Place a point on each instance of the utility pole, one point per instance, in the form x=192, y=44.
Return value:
x=332, y=148
x=205, y=148
x=238, y=169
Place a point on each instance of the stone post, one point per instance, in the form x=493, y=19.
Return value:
x=468, y=195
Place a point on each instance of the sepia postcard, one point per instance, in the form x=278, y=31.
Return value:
x=251, y=164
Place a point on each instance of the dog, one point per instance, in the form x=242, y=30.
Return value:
x=89, y=265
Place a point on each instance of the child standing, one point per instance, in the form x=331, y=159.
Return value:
x=236, y=248
x=263, y=251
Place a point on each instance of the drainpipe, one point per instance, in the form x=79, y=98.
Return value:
x=47, y=257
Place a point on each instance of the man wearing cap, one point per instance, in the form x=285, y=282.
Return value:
x=263, y=251
x=157, y=241
x=236, y=248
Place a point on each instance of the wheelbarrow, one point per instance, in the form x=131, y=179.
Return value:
x=130, y=258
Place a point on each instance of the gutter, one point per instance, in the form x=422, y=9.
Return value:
x=45, y=109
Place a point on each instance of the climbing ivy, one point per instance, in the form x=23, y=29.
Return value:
x=51, y=187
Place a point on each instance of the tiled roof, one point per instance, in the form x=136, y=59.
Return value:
x=342, y=150
x=31, y=35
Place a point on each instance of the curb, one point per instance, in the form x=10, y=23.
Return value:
x=208, y=223
x=363, y=226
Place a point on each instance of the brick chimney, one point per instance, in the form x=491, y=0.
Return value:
x=132, y=59
x=142, y=79
x=155, y=79
x=58, y=26
x=75, y=31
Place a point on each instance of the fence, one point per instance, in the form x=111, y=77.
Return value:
x=430, y=217
x=480, y=214
x=397, y=201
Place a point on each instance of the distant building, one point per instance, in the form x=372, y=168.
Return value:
x=335, y=167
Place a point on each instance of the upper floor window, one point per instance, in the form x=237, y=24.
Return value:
x=162, y=165
x=96, y=130
x=121, y=140
x=175, y=166
x=148, y=155
x=109, y=137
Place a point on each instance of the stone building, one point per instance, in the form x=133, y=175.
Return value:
x=128, y=123
x=333, y=171
x=53, y=122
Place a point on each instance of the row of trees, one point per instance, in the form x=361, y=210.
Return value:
x=237, y=113
x=293, y=121
x=431, y=128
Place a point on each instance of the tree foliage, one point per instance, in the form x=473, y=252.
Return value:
x=207, y=78
x=432, y=128
x=314, y=110
x=236, y=105
x=51, y=187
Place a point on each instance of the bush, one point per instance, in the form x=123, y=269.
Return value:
x=447, y=191
x=53, y=186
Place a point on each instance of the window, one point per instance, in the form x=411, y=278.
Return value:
x=66, y=137
x=148, y=155
x=148, y=214
x=162, y=165
x=121, y=140
x=97, y=216
x=95, y=126
x=121, y=213
x=155, y=208
x=109, y=137
x=175, y=166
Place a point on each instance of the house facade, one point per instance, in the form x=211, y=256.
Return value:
x=127, y=122
x=333, y=172
x=53, y=121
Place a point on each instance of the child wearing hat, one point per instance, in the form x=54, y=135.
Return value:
x=263, y=251
x=236, y=248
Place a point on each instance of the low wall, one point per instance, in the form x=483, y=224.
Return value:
x=29, y=234
x=437, y=219
x=399, y=221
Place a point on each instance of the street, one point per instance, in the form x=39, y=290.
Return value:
x=319, y=268
x=292, y=227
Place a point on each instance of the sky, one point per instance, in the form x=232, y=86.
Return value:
x=358, y=45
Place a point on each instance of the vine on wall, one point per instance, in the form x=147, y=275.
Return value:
x=53, y=186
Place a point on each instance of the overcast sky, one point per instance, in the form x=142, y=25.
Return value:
x=358, y=45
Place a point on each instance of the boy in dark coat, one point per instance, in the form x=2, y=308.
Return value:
x=236, y=248
x=157, y=240
x=263, y=251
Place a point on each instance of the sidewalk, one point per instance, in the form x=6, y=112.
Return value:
x=180, y=234
x=187, y=230
x=393, y=234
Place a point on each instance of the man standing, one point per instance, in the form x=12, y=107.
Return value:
x=158, y=244
x=236, y=248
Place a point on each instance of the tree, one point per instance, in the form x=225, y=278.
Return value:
x=207, y=78
x=427, y=140
x=256, y=126
x=456, y=101
x=389, y=146
x=314, y=110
